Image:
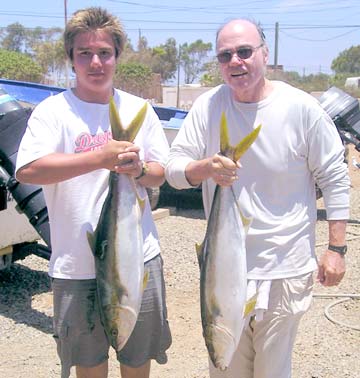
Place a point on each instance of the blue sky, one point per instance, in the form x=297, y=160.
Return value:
x=311, y=32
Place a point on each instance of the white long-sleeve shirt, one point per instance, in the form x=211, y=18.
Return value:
x=298, y=144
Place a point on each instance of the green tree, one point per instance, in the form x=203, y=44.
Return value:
x=309, y=83
x=212, y=76
x=18, y=66
x=192, y=59
x=161, y=59
x=133, y=77
x=14, y=38
x=50, y=55
x=165, y=59
x=347, y=62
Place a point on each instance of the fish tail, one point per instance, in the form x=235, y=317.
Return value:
x=225, y=146
x=235, y=152
x=117, y=129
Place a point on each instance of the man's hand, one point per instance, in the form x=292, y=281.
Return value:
x=218, y=167
x=223, y=170
x=121, y=157
x=129, y=162
x=331, y=268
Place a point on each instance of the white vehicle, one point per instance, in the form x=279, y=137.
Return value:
x=24, y=227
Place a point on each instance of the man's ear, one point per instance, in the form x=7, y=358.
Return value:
x=266, y=54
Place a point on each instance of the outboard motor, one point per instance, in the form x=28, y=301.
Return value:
x=345, y=112
x=29, y=198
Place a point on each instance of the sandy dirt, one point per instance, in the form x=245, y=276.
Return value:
x=324, y=348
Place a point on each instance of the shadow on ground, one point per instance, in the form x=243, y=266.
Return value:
x=18, y=286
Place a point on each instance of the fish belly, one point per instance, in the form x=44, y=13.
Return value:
x=120, y=273
x=226, y=280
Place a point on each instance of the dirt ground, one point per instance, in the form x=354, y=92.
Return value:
x=324, y=348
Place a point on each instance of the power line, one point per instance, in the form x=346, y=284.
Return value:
x=283, y=26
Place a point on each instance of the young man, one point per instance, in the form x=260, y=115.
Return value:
x=68, y=149
x=275, y=186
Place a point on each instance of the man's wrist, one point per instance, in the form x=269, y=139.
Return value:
x=144, y=170
x=342, y=249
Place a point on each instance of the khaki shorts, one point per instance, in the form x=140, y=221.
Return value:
x=266, y=346
x=79, y=334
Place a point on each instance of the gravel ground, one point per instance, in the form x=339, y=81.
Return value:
x=324, y=348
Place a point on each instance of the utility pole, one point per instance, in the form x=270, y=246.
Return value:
x=139, y=40
x=67, y=60
x=178, y=80
x=276, y=51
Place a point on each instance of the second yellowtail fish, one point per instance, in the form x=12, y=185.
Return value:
x=222, y=261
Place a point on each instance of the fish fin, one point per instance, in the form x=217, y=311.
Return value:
x=146, y=278
x=92, y=240
x=250, y=305
x=117, y=129
x=200, y=253
x=245, y=143
x=224, y=135
x=136, y=123
x=245, y=221
x=235, y=152
x=141, y=201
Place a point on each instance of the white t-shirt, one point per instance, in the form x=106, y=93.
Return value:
x=298, y=144
x=65, y=124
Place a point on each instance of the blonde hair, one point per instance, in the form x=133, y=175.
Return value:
x=92, y=19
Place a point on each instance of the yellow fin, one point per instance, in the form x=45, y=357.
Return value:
x=141, y=201
x=91, y=239
x=199, y=252
x=235, y=152
x=117, y=129
x=224, y=136
x=146, y=278
x=244, y=144
x=245, y=221
x=250, y=305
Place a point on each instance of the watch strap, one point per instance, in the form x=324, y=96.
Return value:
x=339, y=249
x=144, y=170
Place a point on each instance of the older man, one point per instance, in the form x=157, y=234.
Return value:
x=298, y=145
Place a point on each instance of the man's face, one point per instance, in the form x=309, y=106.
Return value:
x=94, y=63
x=245, y=76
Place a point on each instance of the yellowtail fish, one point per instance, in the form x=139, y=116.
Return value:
x=222, y=262
x=117, y=244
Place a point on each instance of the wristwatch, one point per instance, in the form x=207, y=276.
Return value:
x=339, y=249
x=144, y=170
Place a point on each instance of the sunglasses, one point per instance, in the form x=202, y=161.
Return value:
x=242, y=53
